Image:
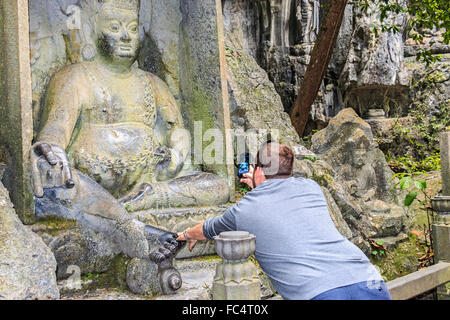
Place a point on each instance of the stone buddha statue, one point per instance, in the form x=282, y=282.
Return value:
x=112, y=138
x=357, y=171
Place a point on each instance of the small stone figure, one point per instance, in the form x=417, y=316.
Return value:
x=359, y=174
x=309, y=17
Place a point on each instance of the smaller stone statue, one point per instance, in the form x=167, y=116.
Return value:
x=309, y=18
x=358, y=172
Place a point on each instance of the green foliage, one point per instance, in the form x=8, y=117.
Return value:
x=423, y=14
x=241, y=190
x=414, y=186
x=418, y=142
x=407, y=164
x=310, y=158
x=429, y=127
x=378, y=249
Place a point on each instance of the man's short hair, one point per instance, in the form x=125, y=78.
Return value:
x=275, y=159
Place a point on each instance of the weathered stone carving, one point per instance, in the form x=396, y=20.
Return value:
x=109, y=126
x=347, y=144
x=308, y=14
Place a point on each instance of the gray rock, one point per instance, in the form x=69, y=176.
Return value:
x=160, y=22
x=254, y=102
x=27, y=265
x=142, y=277
x=386, y=219
x=91, y=252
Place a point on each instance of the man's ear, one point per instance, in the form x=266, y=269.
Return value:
x=258, y=171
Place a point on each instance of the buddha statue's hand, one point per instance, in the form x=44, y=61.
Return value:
x=163, y=155
x=169, y=163
x=50, y=168
x=166, y=244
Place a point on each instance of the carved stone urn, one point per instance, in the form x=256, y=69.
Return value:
x=376, y=114
x=441, y=204
x=236, y=276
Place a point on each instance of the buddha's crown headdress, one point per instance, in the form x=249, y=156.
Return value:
x=93, y=6
x=121, y=4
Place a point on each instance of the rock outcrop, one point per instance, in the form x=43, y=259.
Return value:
x=366, y=71
x=27, y=265
x=254, y=102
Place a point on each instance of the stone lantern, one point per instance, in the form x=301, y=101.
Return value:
x=236, y=276
x=441, y=205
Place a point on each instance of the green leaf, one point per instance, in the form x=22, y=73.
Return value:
x=310, y=158
x=374, y=252
x=410, y=198
x=420, y=184
x=379, y=242
x=405, y=182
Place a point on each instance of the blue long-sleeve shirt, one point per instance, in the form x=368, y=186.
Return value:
x=297, y=243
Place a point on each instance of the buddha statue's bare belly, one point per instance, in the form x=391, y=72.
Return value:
x=115, y=155
x=114, y=141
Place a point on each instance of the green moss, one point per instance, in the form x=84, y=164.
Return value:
x=55, y=225
x=200, y=106
x=114, y=278
x=399, y=262
x=323, y=180
x=405, y=258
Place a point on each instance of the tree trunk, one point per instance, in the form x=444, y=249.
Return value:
x=318, y=65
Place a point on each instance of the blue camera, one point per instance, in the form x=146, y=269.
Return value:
x=244, y=166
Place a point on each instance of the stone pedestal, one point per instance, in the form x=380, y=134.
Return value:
x=445, y=162
x=236, y=277
x=441, y=205
x=441, y=238
x=441, y=228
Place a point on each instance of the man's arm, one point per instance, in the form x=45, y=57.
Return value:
x=214, y=226
x=210, y=228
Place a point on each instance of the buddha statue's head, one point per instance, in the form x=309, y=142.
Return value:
x=356, y=151
x=115, y=28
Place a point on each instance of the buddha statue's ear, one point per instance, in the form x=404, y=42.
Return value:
x=88, y=31
x=88, y=39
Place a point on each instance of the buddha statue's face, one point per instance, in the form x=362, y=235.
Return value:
x=118, y=35
x=359, y=157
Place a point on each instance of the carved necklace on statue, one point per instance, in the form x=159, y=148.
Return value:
x=149, y=114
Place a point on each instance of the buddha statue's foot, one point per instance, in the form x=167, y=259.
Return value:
x=163, y=244
x=201, y=189
x=166, y=249
x=146, y=242
x=155, y=245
